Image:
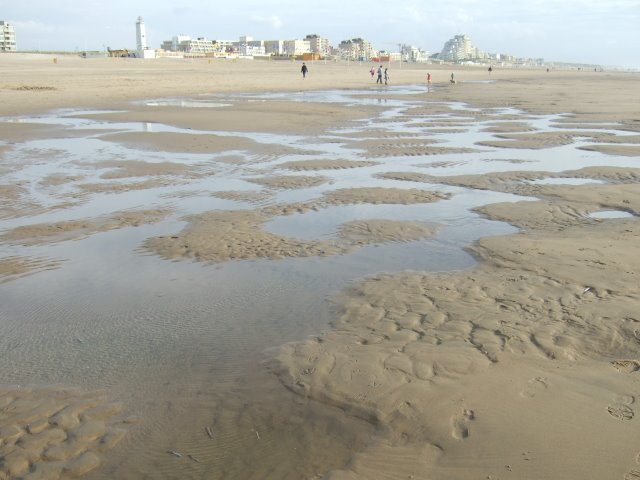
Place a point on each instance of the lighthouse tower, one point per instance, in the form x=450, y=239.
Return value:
x=141, y=37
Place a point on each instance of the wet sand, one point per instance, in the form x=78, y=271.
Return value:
x=256, y=276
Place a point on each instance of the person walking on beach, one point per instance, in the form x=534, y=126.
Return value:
x=379, y=79
x=428, y=81
x=386, y=76
x=372, y=72
x=304, y=70
x=453, y=79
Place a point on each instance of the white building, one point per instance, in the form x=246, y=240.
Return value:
x=252, y=49
x=296, y=47
x=413, y=54
x=7, y=37
x=142, y=50
x=184, y=43
x=459, y=49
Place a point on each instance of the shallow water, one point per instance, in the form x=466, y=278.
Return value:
x=605, y=214
x=180, y=342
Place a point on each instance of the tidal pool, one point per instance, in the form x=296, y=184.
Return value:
x=180, y=344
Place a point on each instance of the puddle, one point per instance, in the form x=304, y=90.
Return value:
x=478, y=81
x=606, y=214
x=565, y=181
x=177, y=102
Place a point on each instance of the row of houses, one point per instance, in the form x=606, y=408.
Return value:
x=312, y=46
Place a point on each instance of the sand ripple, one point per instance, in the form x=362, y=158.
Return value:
x=55, y=432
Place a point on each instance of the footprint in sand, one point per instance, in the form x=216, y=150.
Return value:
x=621, y=412
x=626, y=366
x=621, y=409
x=460, y=424
x=535, y=386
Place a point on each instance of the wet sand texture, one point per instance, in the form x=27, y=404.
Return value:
x=55, y=432
x=523, y=367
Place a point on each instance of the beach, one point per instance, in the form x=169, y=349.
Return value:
x=219, y=269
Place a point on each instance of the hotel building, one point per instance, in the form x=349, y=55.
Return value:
x=458, y=49
x=7, y=37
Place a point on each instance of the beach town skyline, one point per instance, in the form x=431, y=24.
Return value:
x=587, y=32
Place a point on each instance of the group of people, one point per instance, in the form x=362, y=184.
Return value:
x=381, y=74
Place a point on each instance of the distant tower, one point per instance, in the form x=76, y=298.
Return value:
x=141, y=37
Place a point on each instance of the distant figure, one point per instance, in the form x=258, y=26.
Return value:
x=379, y=79
x=304, y=70
x=386, y=76
x=490, y=70
x=453, y=79
x=372, y=72
x=428, y=79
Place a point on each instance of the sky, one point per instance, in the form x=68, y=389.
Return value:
x=599, y=32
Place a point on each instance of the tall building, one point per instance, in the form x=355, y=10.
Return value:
x=319, y=44
x=7, y=37
x=458, y=49
x=356, y=49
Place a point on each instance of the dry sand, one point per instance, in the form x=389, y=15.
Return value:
x=524, y=367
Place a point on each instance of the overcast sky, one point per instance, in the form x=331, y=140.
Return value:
x=605, y=32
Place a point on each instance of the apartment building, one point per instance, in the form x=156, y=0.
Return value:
x=7, y=37
x=274, y=47
x=184, y=43
x=319, y=44
x=252, y=49
x=460, y=48
x=413, y=54
x=356, y=49
x=296, y=47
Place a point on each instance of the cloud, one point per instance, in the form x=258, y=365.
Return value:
x=273, y=21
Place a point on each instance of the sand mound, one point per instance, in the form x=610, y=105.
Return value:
x=324, y=164
x=76, y=229
x=15, y=266
x=361, y=232
x=378, y=195
x=236, y=235
x=290, y=182
x=422, y=356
